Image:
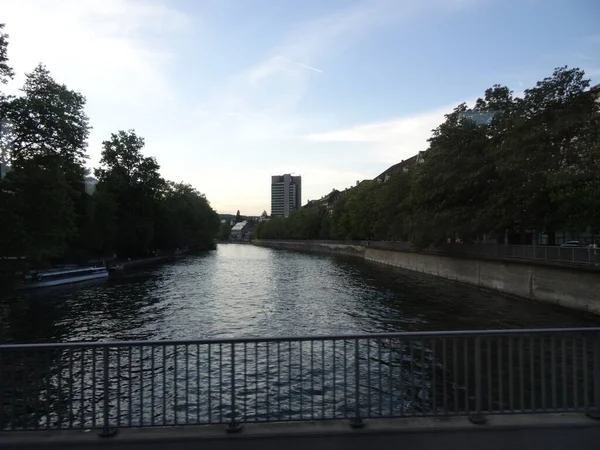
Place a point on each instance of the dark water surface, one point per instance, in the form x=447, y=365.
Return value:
x=244, y=291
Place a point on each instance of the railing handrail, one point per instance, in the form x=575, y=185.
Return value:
x=394, y=335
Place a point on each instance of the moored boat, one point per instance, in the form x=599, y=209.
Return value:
x=57, y=277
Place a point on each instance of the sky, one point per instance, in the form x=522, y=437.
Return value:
x=227, y=93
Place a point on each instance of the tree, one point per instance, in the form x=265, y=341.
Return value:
x=47, y=121
x=133, y=181
x=40, y=219
x=6, y=72
x=238, y=217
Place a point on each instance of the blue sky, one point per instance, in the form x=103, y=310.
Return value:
x=229, y=92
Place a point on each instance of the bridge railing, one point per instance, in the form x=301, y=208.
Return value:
x=147, y=384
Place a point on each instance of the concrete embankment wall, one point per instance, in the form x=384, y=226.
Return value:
x=571, y=287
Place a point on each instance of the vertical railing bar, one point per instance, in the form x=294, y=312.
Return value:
x=586, y=393
x=47, y=378
x=13, y=394
x=197, y=383
x=521, y=375
x=412, y=375
x=511, y=391
x=164, y=384
x=553, y=368
x=455, y=373
x=59, y=393
x=532, y=373
x=543, y=370
x=345, y=381
x=445, y=374
x=422, y=371
x=256, y=381
x=563, y=344
x=478, y=418
x=245, y=381
x=368, y=378
x=391, y=378
x=279, y=380
x=82, y=402
x=490, y=406
x=220, y=383
x=70, y=389
x=575, y=384
x=267, y=373
x=130, y=394
x=312, y=381
x=596, y=375
x=2, y=424
x=357, y=421
x=290, y=380
x=500, y=376
x=152, y=368
x=323, y=379
x=105, y=390
x=141, y=385
x=466, y=356
x=209, y=374
x=380, y=360
x=187, y=384
x=118, y=374
x=94, y=387
x=233, y=426
x=301, y=382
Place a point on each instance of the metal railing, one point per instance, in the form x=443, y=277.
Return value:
x=164, y=383
x=546, y=253
x=586, y=256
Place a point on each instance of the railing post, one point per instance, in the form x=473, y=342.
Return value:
x=478, y=418
x=596, y=413
x=1, y=392
x=234, y=425
x=106, y=430
x=356, y=421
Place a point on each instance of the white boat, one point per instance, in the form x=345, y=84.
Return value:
x=62, y=276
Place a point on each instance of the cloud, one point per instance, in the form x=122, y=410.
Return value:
x=389, y=141
x=99, y=47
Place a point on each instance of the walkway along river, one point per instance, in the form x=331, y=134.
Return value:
x=245, y=291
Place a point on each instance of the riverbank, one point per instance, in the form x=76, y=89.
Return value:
x=132, y=263
x=566, y=286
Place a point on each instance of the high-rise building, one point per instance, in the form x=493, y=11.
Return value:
x=286, y=194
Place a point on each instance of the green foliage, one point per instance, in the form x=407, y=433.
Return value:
x=45, y=212
x=6, y=72
x=142, y=211
x=533, y=167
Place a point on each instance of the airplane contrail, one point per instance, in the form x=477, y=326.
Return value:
x=314, y=69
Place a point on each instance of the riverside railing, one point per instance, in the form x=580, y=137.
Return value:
x=578, y=256
x=108, y=385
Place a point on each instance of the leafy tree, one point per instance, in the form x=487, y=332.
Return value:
x=135, y=184
x=6, y=72
x=238, y=217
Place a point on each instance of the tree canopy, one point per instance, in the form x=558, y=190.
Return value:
x=532, y=165
x=46, y=213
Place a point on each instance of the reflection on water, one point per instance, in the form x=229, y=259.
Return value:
x=241, y=290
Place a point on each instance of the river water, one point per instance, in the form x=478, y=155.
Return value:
x=247, y=291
